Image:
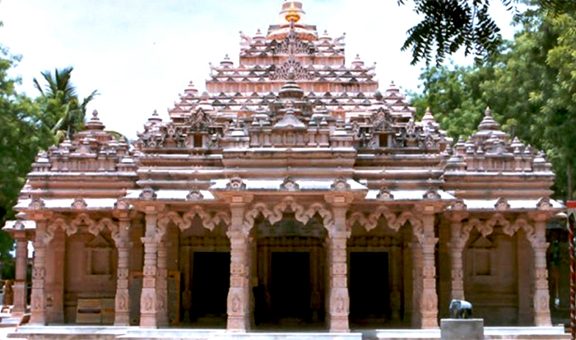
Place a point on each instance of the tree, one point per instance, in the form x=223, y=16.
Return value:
x=64, y=112
x=22, y=135
x=454, y=96
x=448, y=25
x=531, y=84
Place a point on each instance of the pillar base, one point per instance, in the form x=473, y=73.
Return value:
x=339, y=324
x=19, y=289
x=238, y=324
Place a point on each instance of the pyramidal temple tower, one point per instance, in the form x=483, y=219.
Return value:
x=293, y=192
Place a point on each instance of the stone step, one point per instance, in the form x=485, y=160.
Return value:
x=188, y=334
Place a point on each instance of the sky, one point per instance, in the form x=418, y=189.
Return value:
x=141, y=54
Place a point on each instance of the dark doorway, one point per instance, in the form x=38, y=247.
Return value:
x=369, y=287
x=210, y=284
x=290, y=285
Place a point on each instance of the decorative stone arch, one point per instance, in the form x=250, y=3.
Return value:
x=208, y=221
x=106, y=223
x=395, y=222
x=58, y=223
x=275, y=214
x=288, y=202
x=417, y=225
x=82, y=219
x=370, y=221
x=185, y=220
x=164, y=220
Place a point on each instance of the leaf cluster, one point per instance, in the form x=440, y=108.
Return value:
x=530, y=85
x=449, y=25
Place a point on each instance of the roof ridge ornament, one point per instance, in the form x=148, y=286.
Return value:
x=292, y=11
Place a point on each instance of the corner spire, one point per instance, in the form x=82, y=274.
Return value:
x=488, y=123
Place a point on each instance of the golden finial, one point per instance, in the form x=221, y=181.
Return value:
x=292, y=11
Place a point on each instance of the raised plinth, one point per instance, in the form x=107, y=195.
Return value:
x=462, y=329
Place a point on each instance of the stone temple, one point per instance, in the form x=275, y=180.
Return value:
x=293, y=192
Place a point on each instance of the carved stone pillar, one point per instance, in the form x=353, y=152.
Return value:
x=38, y=299
x=122, y=302
x=338, y=298
x=148, y=303
x=396, y=270
x=20, y=282
x=416, y=284
x=541, y=294
x=238, y=302
x=54, y=282
x=457, y=244
x=429, y=298
x=162, y=285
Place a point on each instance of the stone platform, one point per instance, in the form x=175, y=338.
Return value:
x=112, y=333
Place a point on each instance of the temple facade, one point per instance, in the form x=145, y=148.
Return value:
x=293, y=192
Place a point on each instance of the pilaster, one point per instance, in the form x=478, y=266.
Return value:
x=456, y=247
x=238, y=301
x=428, y=301
x=122, y=302
x=338, y=297
x=148, y=298
x=396, y=271
x=162, y=285
x=20, y=282
x=38, y=298
x=541, y=294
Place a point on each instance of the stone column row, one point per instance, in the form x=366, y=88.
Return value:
x=537, y=238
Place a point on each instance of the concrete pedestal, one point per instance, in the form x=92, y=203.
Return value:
x=457, y=329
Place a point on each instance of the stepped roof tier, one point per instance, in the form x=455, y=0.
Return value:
x=290, y=150
x=292, y=110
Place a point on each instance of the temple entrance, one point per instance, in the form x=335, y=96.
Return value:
x=290, y=286
x=210, y=283
x=369, y=288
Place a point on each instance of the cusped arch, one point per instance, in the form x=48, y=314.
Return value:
x=48, y=234
x=80, y=220
x=497, y=219
x=275, y=214
x=109, y=224
x=279, y=209
x=208, y=221
x=323, y=212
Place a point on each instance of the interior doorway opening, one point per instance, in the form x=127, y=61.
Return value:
x=290, y=287
x=210, y=284
x=369, y=288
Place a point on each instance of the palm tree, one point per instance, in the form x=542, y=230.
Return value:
x=64, y=112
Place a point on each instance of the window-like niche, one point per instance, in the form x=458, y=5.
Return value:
x=99, y=256
x=481, y=251
x=198, y=140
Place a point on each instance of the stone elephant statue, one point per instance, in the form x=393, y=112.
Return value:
x=460, y=309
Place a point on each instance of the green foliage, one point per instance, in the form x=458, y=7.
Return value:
x=63, y=110
x=530, y=85
x=449, y=25
x=453, y=94
x=22, y=134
